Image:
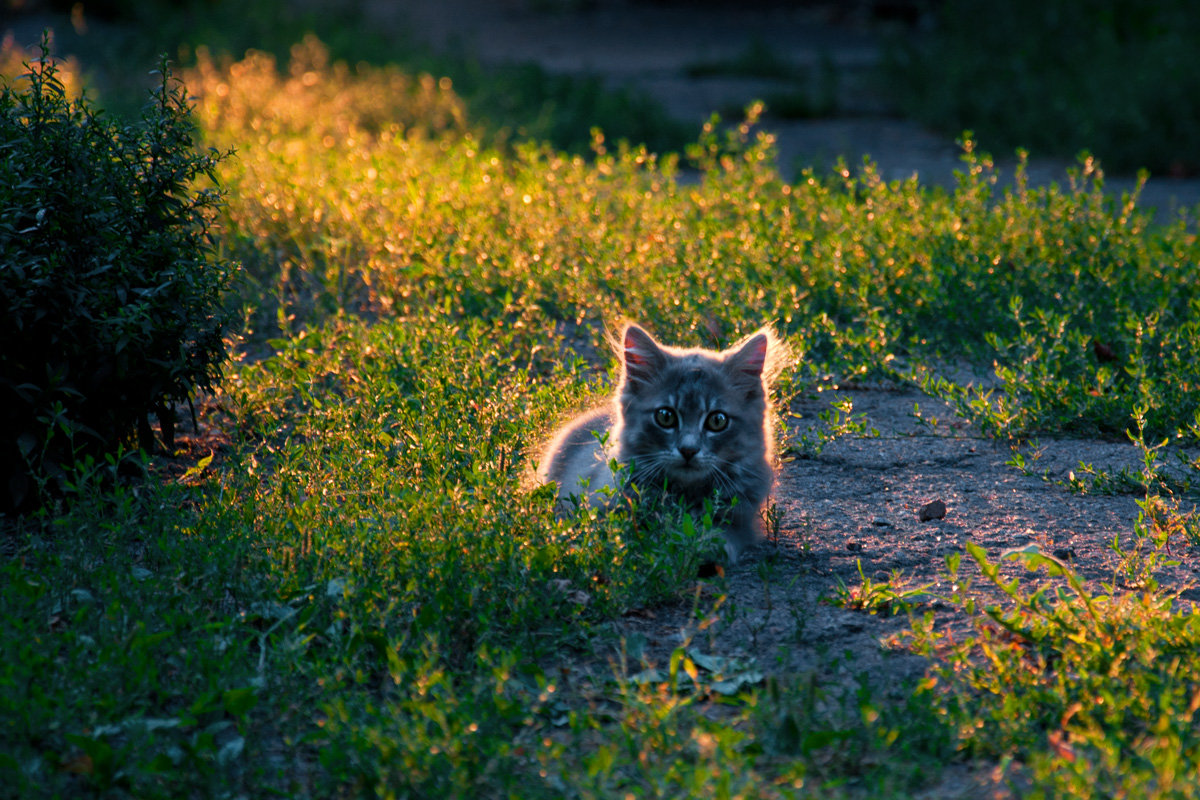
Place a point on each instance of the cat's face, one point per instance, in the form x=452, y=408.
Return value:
x=693, y=420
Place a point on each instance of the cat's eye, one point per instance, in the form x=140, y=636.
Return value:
x=717, y=421
x=666, y=417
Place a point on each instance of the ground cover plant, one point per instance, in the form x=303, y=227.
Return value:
x=358, y=594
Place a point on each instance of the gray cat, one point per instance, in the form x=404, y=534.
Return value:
x=691, y=423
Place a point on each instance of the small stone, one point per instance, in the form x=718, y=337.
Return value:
x=881, y=522
x=931, y=511
x=853, y=547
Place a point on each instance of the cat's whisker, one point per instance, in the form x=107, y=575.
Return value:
x=725, y=484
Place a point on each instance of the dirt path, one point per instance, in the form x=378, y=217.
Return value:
x=858, y=503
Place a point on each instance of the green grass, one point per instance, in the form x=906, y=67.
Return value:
x=360, y=596
x=1077, y=692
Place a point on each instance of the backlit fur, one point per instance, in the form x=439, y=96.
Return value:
x=691, y=423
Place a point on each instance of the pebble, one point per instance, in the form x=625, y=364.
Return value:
x=931, y=511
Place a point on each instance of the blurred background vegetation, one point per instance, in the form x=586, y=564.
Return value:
x=1119, y=78
x=519, y=101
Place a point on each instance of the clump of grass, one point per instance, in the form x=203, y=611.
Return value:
x=894, y=595
x=1077, y=691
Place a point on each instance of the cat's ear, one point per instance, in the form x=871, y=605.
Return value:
x=749, y=359
x=643, y=357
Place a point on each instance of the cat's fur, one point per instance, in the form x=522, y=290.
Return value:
x=692, y=423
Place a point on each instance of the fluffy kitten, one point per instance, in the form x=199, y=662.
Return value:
x=691, y=423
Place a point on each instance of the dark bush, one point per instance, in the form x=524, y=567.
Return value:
x=110, y=288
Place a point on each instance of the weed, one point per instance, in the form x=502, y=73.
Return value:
x=837, y=421
x=893, y=596
x=1088, y=691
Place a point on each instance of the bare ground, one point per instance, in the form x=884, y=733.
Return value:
x=857, y=505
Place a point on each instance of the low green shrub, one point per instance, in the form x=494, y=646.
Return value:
x=110, y=288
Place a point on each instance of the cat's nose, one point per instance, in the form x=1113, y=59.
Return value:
x=688, y=453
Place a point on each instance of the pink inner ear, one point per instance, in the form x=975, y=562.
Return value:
x=753, y=355
x=632, y=354
x=639, y=348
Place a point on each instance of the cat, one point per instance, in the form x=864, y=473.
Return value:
x=692, y=423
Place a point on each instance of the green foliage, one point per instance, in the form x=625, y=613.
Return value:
x=1056, y=76
x=366, y=579
x=1088, y=310
x=1082, y=693
x=827, y=731
x=129, y=670
x=362, y=595
x=893, y=596
x=423, y=390
x=110, y=290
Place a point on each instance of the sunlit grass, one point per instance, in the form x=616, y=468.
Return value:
x=1089, y=311
x=364, y=597
x=1077, y=692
